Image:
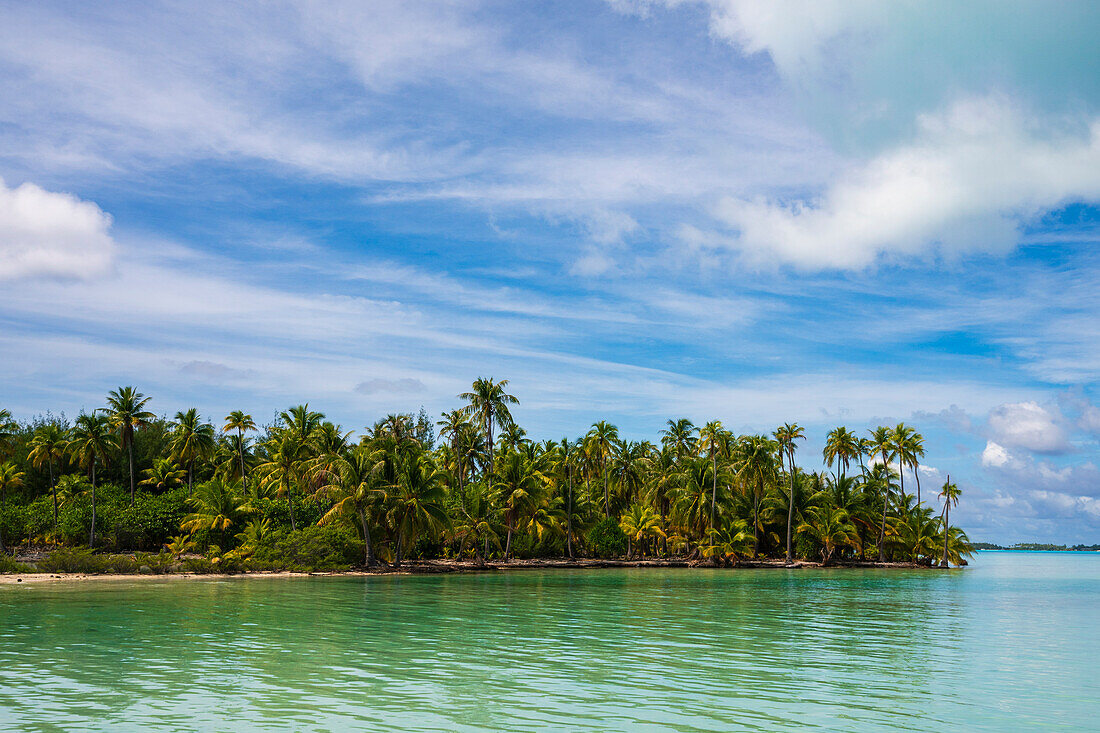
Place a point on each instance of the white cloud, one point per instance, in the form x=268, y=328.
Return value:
x=995, y=456
x=971, y=177
x=43, y=233
x=1030, y=426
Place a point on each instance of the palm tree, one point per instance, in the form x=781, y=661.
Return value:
x=902, y=445
x=679, y=435
x=639, y=524
x=913, y=451
x=217, y=507
x=416, y=500
x=192, y=439
x=48, y=447
x=710, y=437
x=163, y=475
x=126, y=411
x=281, y=469
x=8, y=429
x=91, y=444
x=841, y=446
x=518, y=491
x=454, y=426
x=882, y=443
x=786, y=436
x=488, y=403
x=831, y=527
x=950, y=494
x=728, y=542
x=10, y=478
x=565, y=452
x=603, y=436
x=242, y=423
x=355, y=489
x=757, y=469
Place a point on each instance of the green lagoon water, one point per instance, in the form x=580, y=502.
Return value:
x=1010, y=643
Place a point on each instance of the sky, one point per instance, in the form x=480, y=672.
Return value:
x=831, y=213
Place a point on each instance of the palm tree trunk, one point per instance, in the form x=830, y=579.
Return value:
x=240, y=450
x=917, y=477
x=606, y=495
x=569, y=514
x=397, y=550
x=53, y=491
x=885, y=503
x=946, y=527
x=130, y=452
x=790, y=510
x=190, y=467
x=508, y=543
x=290, y=501
x=485, y=555
x=91, y=534
x=368, y=551
x=713, y=485
x=756, y=523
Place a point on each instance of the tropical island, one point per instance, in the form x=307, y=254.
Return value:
x=120, y=490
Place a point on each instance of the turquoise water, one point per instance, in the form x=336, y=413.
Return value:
x=1010, y=643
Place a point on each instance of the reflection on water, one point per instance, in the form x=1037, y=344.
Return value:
x=1008, y=643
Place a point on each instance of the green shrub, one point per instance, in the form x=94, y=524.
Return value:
x=606, y=538
x=328, y=547
x=151, y=521
x=73, y=560
x=8, y=564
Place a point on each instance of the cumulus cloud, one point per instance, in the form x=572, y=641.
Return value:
x=971, y=177
x=1030, y=426
x=995, y=456
x=49, y=234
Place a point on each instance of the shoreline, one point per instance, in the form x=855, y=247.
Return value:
x=444, y=567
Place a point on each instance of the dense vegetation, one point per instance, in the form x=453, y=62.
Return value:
x=301, y=494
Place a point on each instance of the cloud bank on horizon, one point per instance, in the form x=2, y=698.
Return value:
x=830, y=212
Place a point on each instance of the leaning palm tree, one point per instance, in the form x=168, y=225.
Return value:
x=10, y=478
x=243, y=423
x=192, y=440
x=91, y=444
x=950, y=494
x=786, y=436
x=882, y=443
x=126, y=412
x=355, y=488
x=488, y=403
x=48, y=447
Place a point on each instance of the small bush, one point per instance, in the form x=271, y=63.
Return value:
x=73, y=560
x=8, y=564
x=606, y=539
x=151, y=521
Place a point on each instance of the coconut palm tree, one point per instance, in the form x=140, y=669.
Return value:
x=281, y=470
x=48, y=447
x=416, y=500
x=518, y=491
x=680, y=436
x=163, y=475
x=91, y=444
x=602, y=438
x=10, y=478
x=8, y=430
x=640, y=523
x=882, y=443
x=831, y=527
x=355, y=489
x=841, y=446
x=488, y=405
x=242, y=423
x=710, y=439
x=126, y=412
x=950, y=494
x=786, y=437
x=192, y=439
x=902, y=444
x=728, y=543
x=216, y=507
x=757, y=469
x=455, y=426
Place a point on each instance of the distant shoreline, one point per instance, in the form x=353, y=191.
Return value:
x=444, y=567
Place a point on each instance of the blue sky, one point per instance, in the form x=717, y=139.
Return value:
x=831, y=213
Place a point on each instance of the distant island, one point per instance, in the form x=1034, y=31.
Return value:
x=120, y=490
x=1036, y=547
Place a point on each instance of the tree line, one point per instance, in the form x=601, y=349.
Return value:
x=120, y=477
